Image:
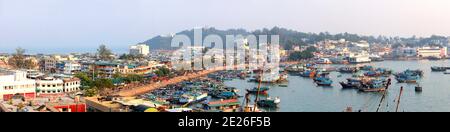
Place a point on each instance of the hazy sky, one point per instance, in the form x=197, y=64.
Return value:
x=81, y=25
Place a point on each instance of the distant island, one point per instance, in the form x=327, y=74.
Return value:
x=290, y=38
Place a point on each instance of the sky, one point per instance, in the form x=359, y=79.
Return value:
x=58, y=26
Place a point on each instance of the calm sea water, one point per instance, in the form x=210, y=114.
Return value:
x=303, y=95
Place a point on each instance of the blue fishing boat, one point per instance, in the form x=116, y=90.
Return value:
x=409, y=76
x=375, y=85
x=324, y=82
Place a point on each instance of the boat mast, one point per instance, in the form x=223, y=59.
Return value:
x=398, y=101
x=384, y=94
x=259, y=87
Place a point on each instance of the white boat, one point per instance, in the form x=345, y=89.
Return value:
x=193, y=98
x=273, y=76
x=324, y=61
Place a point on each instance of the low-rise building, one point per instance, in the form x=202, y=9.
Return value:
x=71, y=84
x=438, y=52
x=68, y=67
x=49, y=86
x=48, y=64
x=16, y=82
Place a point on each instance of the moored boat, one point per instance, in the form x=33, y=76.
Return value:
x=348, y=69
x=269, y=102
x=447, y=72
x=262, y=90
x=324, y=81
x=439, y=69
x=351, y=83
x=374, y=85
x=409, y=76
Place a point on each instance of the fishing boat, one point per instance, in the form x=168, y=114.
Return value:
x=348, y=69
x=307, y=73
x=438, y=69
x=351, y=83
x=269, y=102
x=375, y=85
x=409, y=76
x=225, y=95
x=324, y=81
x=447, y=72
x=366, y=68
x=283, y=85
x=229, y=105
x=262, y=90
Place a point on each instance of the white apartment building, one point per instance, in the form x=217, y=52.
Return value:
x=71, y=84
x=140, y=49
x=16, y=82
x=49, y=85
x=425, y=52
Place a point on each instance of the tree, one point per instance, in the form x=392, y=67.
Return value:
x=104, y=53
x=117, y=75
x=85, y=79
x=162, y=72
x=91, y=92
x=301, y=55
x=133, y=78
x=19, y=61
x=103, y=83
x=130, y=56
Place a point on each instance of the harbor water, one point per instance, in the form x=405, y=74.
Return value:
x=303, y=95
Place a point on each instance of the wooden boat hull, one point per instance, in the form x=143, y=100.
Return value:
x=373, y=89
